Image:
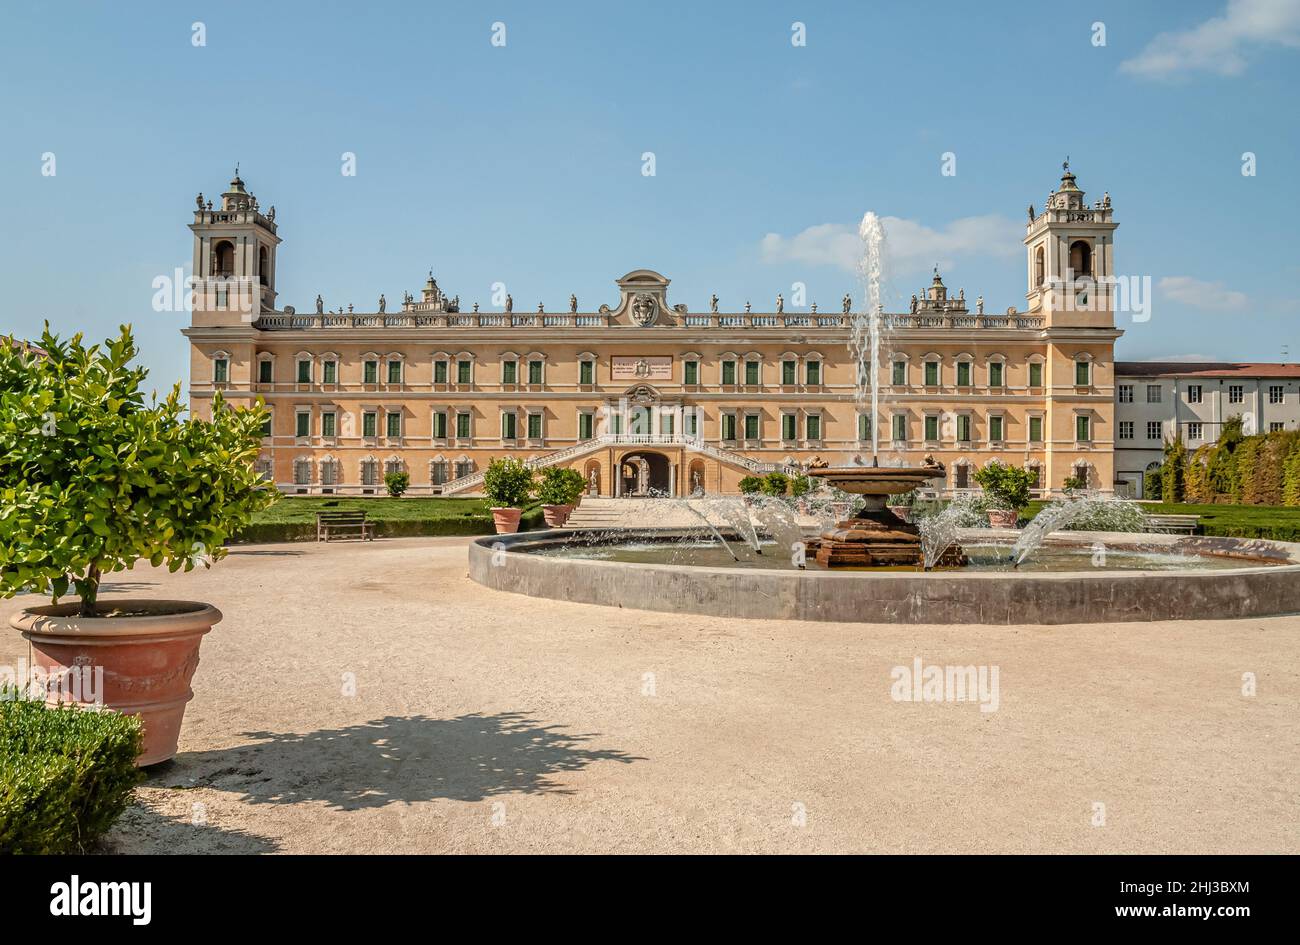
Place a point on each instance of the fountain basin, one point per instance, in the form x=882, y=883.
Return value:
x=1266, y=583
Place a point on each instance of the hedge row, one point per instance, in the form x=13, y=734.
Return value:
x=263, y=532
x=1263, y=469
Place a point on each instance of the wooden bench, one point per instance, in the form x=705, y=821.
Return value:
x=353, y=522
x=1173, y=524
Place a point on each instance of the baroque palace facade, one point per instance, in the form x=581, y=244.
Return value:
x=643, y=394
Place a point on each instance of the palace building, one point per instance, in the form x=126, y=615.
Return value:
x=647, y=393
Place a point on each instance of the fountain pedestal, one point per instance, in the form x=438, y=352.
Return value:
x=876, y=537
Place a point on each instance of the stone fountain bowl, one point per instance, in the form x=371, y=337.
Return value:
x=877, y=480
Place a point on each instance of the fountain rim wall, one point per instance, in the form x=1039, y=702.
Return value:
x=946, y=597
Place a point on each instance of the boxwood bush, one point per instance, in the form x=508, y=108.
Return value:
x=66, y=774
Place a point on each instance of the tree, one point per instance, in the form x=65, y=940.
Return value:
x=1173, y=470
x=1007, y=487
x=397, y=483
x=93, y=478
x=507, y=483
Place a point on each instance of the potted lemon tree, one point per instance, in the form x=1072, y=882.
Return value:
x=1006, y=490
x=508, y=484
x=558, y=490
x=93, y=479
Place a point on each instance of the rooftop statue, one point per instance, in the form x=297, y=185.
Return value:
x=199, y=200
x=383, y=303
x=780, y=303
x=510, y=303
x=541, y=307
x=979, y=305
x=573, y=303
x=713, y=304
x=913, y=309
x=747, y=307
x=846, y=303
x=814, y=308
x=320, y=305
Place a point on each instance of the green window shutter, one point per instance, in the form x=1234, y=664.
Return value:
x=900, y=373
x=963, y=374
x=220, y=370
x=1035, y=374
x=507, y=426
x=963, y=428
x=864, y=427
x=462, y=426
x=394, y=372
x=1081, y=373
x=304, y=372
x=995, y=429
x=787, y=372
x=463, y=369
x=303, y=424
x=728, y=372
x=995, y=374
x=585, y=372
x=1081, y=430
x=372, y=372
x=814, y=370
x=787, y=426
x=813, y=426
x=751, y=372
x=931, y=429
x=751, y=426
x=264, y=372
x=394, y=424
x=534, y=372
x=368, y=424
x=931, y=373
x=584, y=426
x=728, y=426
x=692, y=372
x=440, y=425
x=900, y=428
x=534, y=426
x=266, y=426
x=1035, y=429
x=331, y=372
x=440, y=372
x=327, y=424
x=508, y=372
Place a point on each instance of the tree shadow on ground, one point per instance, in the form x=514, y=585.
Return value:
x=141, y=829
x=395, y=759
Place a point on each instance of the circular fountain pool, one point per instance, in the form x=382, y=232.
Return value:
x=1075, y=577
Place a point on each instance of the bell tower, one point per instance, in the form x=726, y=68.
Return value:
x=234, y=258
x=1070, y=257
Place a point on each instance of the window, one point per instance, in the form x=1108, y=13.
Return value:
x=1037, y=481
x=438, y=471
x=1154, y=431
x=691, y=372
x=1275, y=394
x=508, y=426
x=509, y=372
x=813, y=373
x=393, y=466
x=301, y=472
x=1082, y=373
x=440, y=372
x=789, y=426
x=1035, y=374
x=995, y=428
x=1035, y=429
x=728, y=426
x=616, y=423
x=440, y=424
x=464, y=369
x=931, y=428
x=1082, y=428
x=369, y=424
x=328, y=472
x=963, y=374
x=751, y=372
x=900, y=428
x=264, y=371
x=327, y=424
x=1193, y=393
x=813, y=426
x=667, y=424
x=931, y=373
x=330, y=372
x=585, y=424
x=1276, y=426
x=1126, y=393
x=266, y=424
x=864, y=427
x=393, y=424
x=729, y=372
x=789, y=371
x=534, y=372
x=370, y=373
x=464, y=467
x=462, y=426
x=690, y=422
x=304, y=372
x=1153, y=393
x=534, y=426
x=302, y=424
x=963, y=428
x=995, y=373
x=1236, y=393
x=220, y=370
x=899, y=373
x=751, y=426
x=394, y=372
x=587, y=372
x=1194, y=431
x=1126, y=429
x=369, y=472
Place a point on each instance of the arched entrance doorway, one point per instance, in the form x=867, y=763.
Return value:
x=645, y=473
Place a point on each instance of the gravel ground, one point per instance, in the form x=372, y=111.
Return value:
x=369, y=698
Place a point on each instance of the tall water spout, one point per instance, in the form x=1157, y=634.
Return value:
x=864, y=340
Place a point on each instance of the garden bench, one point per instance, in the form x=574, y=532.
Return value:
x=343, y=521
x=1173, y=524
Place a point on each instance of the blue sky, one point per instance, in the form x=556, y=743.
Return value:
x=523, y=164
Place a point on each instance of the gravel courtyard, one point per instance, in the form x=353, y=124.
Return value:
x=370, y=698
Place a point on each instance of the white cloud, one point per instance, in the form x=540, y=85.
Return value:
x=1197, y=293
x=1220, y=44
x=909, y=246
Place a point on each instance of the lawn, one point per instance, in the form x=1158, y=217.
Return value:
x=293, y=518
x=1280, y=523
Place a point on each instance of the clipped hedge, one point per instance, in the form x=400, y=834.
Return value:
x=66, y=774
x=476, y=524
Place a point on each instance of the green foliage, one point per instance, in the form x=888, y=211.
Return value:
x=397, y=483
x=1173, y=471
x=559, y=486
x=1110, y=517
x=93, y=478
x=1196, y=478
x=1151, y=486
x=507, y=483
x=750, y=484
x=904, y=500
x=66, y=774
x=800, y=486
x=775, y=484
x=1291, y=478
x=1005, y=486
x=1074, y=484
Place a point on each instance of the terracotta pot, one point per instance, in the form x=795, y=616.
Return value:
x=903, y=512
x=1002, y=518
x=506, y=520
x=147, y=659
x=556, y=515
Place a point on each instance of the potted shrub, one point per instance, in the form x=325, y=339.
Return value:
x=749, y=486
x=96, y=479
x=397, y=483
x=800, y=486
x=1006, y=492
x=507, y=483
x=558, y=491
x=901, y=505
x=775, y=484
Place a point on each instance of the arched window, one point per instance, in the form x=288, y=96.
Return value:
x=1081, y=259
x=1040, y=266
x=262, y=265
x=223, y=259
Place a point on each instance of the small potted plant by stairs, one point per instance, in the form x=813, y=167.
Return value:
x=1006, y=490
x=95, y=479
x=558, y=490
x=508, y=484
